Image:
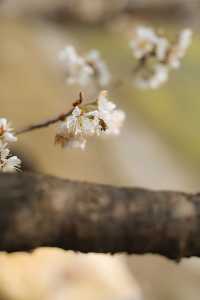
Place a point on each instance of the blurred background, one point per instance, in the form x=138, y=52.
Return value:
x=159, y=146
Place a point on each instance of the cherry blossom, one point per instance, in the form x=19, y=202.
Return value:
x=6, y=132
x=96, y=118
x=157, y=55
x=8, y=163
x=84, y=70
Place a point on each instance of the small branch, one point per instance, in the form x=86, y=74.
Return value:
x=61, y=117
x=44, y=124
x=38, y=210
x=51, y=121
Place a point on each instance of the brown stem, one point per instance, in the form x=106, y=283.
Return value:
x=38, y=210
x=44, y=124
x=51, y=121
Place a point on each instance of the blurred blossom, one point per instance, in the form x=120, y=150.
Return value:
x=162, y=47
x=83, y=70
x=178, y=50
x=65, y=275
x=157, y=55
x=143, y=42
x=77, y=70
x=93, y=58
x=153, y=78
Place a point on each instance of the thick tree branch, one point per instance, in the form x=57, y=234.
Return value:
x=38, y=210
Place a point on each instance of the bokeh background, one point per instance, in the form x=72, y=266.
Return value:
x=159, y=146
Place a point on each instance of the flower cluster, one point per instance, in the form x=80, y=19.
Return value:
x=96, y=118
x=83, y=70
x=8, y=163
x=157, y=55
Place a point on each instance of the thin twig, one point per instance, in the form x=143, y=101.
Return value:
x=51, y=121
x=44, y=124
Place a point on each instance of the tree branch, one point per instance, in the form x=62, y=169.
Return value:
x=37, y=210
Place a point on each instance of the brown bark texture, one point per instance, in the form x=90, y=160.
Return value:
x=38, y=210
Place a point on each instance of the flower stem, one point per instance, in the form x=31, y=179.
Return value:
x=44, y=124
x=51, y=121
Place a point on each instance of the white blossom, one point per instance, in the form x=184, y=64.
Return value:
x=6, y=132
x=8, y=163
x=77, y=70
x=92, y=119
x=81, y=122
x=115, y=122
x=69, y=139
x=157, y=55
x=73, y=131
x=162, y=48
x=143, y=42
x=185, y=39
x=73, y=122
x=112, y=117
x=152, y=79
x=84, y=69
x=178, y=50
x=101, y=71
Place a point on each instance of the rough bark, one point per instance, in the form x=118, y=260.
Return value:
x=37, y=210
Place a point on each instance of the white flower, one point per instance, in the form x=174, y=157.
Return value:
x=152, y=79
x=104, y=105
x=185, y=39
x=76, y=142
x=8, y=164
x=115, y=122
x=143, y=42
x=77, y=70
x=6, y=132
x=90, y=123
x=82, y=70
x=101, y=71
x=73, y=121
x=73, y=131
x=83, y=123
x=91, y=119
x=157, y=55
x=68, y=139
x=160, y=76
x=162, y=48
x=178, y=50
x=112, y=117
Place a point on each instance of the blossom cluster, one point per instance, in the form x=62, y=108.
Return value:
x=83, y=70
x=95, y=118
x=157, y=55
x=8, y=163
